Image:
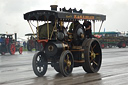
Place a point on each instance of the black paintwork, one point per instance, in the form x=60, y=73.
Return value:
x=44, y=15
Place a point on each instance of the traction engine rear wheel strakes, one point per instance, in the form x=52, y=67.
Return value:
x=93, y=56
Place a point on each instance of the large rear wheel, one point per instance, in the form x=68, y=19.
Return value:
x=66, y=63
x=93, y=56
x=12, y=49
x=121, y=44
x=39, y=64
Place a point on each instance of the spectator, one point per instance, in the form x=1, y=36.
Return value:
x=24, y=44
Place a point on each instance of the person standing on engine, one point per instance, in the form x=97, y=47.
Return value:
x=88, y=30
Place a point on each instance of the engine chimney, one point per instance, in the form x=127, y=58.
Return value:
x=54, y=7
x=15, y=36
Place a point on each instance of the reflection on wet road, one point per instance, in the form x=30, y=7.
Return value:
x=17, y=70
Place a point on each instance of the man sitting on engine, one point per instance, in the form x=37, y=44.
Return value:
x=88, y=30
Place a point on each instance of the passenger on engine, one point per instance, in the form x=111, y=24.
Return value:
x=88, y=30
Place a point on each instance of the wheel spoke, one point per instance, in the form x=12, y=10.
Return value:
x=96, y=53
x=66, y=68
x=39, y=68
x=91, y=59
x=65, y=61
x=94, y=46
x=90, y=51
x=39, y=56
x=67, y=57
x=69, y=68
x=38, y=63
x=95, y=63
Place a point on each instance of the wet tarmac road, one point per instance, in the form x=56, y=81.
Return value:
x=17, y=70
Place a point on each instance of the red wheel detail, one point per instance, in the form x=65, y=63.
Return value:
x=123, y=45
x=12, y=49
x=102, y=45
x=20, y=50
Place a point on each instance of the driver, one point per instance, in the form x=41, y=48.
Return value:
x=88, y=30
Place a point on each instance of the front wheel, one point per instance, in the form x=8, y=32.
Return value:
x=12, y=49
x=102, y=45
x=121, y=44
x=39, y=64
x=66, y=63
x=93, y=56
x=20, y=50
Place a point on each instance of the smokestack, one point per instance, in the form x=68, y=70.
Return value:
x=15, y=36
x=54, y=7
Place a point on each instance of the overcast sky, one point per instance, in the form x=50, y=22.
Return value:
x=11, y=13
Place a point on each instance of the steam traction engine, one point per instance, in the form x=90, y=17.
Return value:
x=9, y=45
x=32, y=42
x=64, y=47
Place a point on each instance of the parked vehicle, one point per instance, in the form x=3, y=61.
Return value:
x=32, y=42
x=109, y=39
x=63, y=49
x=9, y=45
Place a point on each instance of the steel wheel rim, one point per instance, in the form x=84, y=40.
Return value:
x=40, y=64
x=12, y=49
x=102, y=45
x=123, y=45
x=20, y=50
x=94, y=55
x=68, y=64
